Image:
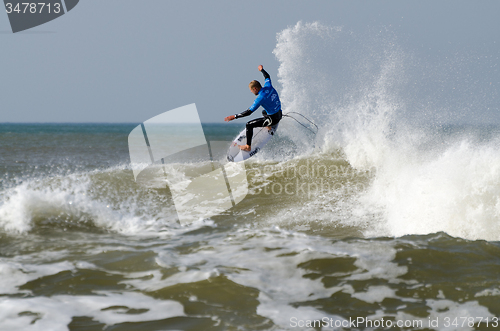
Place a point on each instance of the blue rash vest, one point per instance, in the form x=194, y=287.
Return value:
x=267, y=98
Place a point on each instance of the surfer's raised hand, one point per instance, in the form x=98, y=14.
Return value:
x=260, y=67
x=229, y=118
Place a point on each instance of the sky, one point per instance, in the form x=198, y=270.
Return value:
x=128, y=61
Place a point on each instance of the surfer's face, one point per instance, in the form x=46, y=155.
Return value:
x=254, y=90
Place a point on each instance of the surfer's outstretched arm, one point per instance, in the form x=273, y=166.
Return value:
x=240, y=115
x=244, y=114
x=247, y=112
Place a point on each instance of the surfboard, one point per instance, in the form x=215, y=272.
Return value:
x=260, y=138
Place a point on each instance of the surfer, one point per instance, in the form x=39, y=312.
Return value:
x=268, y=98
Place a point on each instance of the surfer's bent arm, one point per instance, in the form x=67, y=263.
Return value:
x=266, y=75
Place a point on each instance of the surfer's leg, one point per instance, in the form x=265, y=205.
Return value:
x=256, y=123
x=273, y=120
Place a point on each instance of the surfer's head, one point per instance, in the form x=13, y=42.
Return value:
x=255, y=86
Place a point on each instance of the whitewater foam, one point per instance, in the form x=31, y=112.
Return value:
x=56, y=312
x=83, y=200
x=425, y=181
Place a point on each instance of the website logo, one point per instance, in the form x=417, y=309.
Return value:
x=171, y=151
x=25, y=14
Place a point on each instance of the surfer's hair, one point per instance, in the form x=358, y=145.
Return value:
x=255, y=83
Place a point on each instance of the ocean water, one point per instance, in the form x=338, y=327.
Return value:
x=375, y=223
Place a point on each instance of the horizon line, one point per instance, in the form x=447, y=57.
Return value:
x=136, y=123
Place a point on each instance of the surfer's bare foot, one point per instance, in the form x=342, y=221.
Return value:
x=245, y=148
x=269, y=128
